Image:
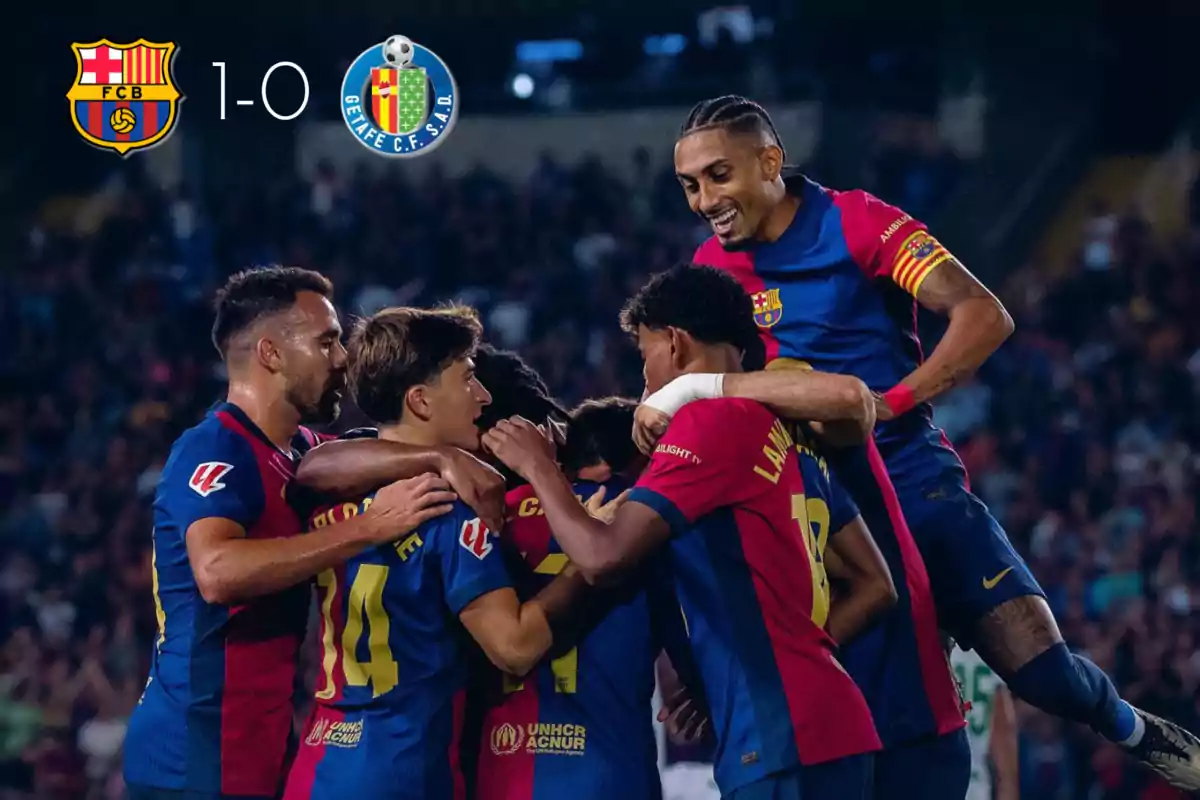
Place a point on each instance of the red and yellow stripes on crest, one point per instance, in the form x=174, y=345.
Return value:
x=385, y=105
x=143, y=65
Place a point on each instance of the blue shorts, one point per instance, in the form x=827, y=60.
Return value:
x=933, y=768
x=971, y=564
x=844, y=779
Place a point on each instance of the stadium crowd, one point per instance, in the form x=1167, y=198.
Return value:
x=1080, y=433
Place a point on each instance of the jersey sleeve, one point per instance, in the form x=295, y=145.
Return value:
x=842, y=508
x=888, y=243
x=214, y=474
x=705, y=460
x=471, y=560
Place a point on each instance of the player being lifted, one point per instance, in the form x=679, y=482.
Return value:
x=229, y=570
x=746, y=525
x=390, y=697
x=836, y=276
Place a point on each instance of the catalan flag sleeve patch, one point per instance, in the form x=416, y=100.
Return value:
x=918, y=255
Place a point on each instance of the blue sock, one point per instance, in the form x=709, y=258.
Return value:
x=1071, y=687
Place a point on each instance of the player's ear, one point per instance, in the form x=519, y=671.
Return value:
x=681, y=347
x=770, y=161
x=269, y=354
x=417, y=400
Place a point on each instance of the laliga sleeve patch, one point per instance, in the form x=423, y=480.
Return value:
x=475, y=538
x=206, y=479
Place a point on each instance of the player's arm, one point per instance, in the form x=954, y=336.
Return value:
x=866, y=587
x=889, y=243
x=597, y=549
x=230, y=568
x=852, y=558
x=515, y=636
x=1004, y=746
x=601, y=552
x=843, y=402
x=479, y=591
x=352, y=467
x=979, y=324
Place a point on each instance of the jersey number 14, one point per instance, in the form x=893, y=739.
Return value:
x=380, y=671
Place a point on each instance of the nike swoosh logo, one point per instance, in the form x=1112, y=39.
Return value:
x=990, y=583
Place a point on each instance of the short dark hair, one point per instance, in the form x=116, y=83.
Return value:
x=706, y=302
x=398, y=348
x=252, y=294
x=601, y=430
x=733, y=113
x=515, y=387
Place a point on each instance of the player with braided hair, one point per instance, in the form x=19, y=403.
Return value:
x=836, y=278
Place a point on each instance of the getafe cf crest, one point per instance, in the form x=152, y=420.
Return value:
x=768, y=308
x=399, y=99
x=124, y=97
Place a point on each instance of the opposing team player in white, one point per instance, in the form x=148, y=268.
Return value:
x=991, y=728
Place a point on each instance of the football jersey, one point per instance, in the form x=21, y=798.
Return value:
x=750, y=579
x=216, y=714
x=979, y=686
x=580, y=724
x=837, y=291
x=390, y=690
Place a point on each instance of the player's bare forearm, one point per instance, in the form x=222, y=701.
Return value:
x=566, y=601
x=600, y=552
x=357, y=466
x=853, y=559
x=979, y=324
x=810, y=396
x=230, y=568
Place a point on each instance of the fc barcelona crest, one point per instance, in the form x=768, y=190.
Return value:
x=124, y=97
x=399, y=99
x=768, y=308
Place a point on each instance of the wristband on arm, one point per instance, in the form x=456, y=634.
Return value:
x=900, y=399
x=684, y=389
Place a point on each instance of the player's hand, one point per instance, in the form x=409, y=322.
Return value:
x=685, y=721
x=521, y=445
x=477, y=484
x=605, y=512
x=883, y=412
x=401, y=506
x=649, y=424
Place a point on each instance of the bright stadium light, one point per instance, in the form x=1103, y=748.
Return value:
x=522, y=86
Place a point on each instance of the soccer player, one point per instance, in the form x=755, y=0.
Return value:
x=580, y=724
x=992, y=727
x=229, y=573
x=836, y=277
x=390, y=699
x=724, y=491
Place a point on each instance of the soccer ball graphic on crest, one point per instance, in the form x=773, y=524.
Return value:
x=398, y=51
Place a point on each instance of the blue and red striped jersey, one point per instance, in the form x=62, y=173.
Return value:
x=216, y=715
x=751, y=582
x=836, y=292
x=580, y=725
x=391, y=691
